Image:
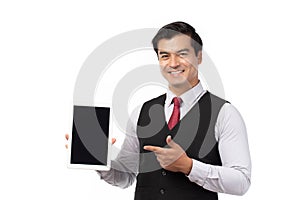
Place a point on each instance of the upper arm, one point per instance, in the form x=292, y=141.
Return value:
x=231, y=134
x=128, y=155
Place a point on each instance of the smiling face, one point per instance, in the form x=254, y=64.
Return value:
x=179, y=63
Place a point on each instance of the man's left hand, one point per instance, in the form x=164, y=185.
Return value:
x=173, y=159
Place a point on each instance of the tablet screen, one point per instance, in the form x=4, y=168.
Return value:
x=90, y=133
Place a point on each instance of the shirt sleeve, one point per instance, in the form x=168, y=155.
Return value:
x=234, y=176
x=125, y=167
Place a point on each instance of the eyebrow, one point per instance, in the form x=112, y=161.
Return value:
x=179, y=51
x=163, y=52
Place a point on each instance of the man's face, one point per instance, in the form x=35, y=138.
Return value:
x=178, y=61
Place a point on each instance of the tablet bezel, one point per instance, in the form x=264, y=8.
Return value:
x=91, y=166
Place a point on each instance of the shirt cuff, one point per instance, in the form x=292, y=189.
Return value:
x=199, y=172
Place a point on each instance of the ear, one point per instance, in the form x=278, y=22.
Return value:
x=199, y=56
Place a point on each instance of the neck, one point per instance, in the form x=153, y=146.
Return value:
x=179, y=90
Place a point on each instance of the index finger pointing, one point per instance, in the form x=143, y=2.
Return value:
x=152, y=148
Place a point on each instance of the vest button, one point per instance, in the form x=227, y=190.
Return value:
x=162, y=191
x=164, y=172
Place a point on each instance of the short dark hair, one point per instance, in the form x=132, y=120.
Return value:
x=170, y=30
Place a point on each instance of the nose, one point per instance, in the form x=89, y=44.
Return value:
x=173, y=61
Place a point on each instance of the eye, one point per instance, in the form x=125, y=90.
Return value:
x=165, y=56
x=183, y=54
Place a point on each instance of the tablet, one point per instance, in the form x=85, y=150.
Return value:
x=90, y=139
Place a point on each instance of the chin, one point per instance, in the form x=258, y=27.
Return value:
x=179, y=84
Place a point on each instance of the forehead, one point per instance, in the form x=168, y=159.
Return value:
x=175, y=43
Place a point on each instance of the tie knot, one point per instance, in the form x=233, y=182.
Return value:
x=176, y=101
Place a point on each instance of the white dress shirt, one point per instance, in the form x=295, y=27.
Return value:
x=233, y=177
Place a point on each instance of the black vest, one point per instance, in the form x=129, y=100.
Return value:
x=194, y=133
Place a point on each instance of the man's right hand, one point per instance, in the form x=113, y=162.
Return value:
x=113, y=140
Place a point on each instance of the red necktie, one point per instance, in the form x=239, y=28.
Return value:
x=174, y=119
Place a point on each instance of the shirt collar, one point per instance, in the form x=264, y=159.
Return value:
x=188, y=98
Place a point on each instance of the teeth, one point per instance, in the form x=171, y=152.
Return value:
x=177, y=72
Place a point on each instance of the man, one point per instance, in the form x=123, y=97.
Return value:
x=187, y=143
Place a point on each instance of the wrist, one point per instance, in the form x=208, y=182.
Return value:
x=187, y=166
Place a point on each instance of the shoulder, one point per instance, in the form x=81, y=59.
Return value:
x=230, y=120
x=157, y=100
x=160, y=100
x=215, y=98
x=229, y=111
x=146, y=105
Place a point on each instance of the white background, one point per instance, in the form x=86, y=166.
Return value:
x=254, y=45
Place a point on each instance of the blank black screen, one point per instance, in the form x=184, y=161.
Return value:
x=90, y=135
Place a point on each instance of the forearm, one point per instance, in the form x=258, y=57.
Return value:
x=117, y=178
x=230, y=180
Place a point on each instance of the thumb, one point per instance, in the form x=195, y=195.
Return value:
x=169, y=141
